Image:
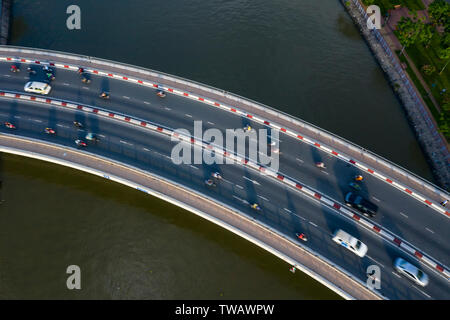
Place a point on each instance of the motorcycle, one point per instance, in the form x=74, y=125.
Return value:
x=256, y=207
x=9, y=125
x=301, y=236
x=77, y=124
x=80, y=143
x=104, y=95
x=160, y=94
x=216, y=175
x=14, y=69
x=210, y=183
x=50, y=131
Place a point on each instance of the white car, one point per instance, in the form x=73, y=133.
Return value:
x=351, y=243
x=411, y=272
x=37, y=87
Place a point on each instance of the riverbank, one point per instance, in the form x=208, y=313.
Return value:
x=5, y=14
x=432, y=142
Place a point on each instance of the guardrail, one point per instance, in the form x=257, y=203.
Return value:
x=342, y=142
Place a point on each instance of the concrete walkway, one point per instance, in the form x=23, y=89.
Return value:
x=388, y=33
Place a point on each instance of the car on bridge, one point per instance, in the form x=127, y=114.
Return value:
x=37, y=87
x=359, y=203
x=351, y=243
x=411, y=272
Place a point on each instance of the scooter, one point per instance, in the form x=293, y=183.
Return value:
x=80, y=143
x=50, y=131
x=302, y=236
x=160, y=94
x=9, y=125
x=104, y=96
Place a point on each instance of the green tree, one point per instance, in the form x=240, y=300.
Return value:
x=439, y=11
x=408, y=32
x=444, y=54
x=425, y=34
x=428, y=69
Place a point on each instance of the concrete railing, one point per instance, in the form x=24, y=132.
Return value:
x=104, y=173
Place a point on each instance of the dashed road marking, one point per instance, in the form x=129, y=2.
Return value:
x=36, y=120
x=287, y=210
x=124, y=142
x=211, y=123
x=239, y=186
x=397, y=275
x=299, y=160
x=315, y=225
x=405, y=215
x=263, y=198
x=254, y=181
x=86, y=88
x=376, y=199
x=167, y=108
x=145, y=149
x=66, y=84
x=429, y=230
x=126, y=97
x=62, y=126
x=299, y=216
x=378, y=263
x=18, y=117
x=7, y=75
x=146, y=102
x=422, y=292
x=194, y=167
x=188, y=115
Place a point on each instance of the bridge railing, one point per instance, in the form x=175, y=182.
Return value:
x=83, y=60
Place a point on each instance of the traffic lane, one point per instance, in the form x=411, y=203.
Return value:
x=289, y=166
x=398, y=212
x=436, y=249
x=259, y=191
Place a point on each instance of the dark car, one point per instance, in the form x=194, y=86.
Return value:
x=361, y=204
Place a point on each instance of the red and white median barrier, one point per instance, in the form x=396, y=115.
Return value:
x=408, y=190
x=338, y=207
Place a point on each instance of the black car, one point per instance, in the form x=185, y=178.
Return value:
x=361, y=204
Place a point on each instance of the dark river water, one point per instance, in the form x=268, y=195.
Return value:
x=304, y=57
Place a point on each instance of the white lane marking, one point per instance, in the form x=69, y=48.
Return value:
x=62, y=126
x=66, y=84
x=101, y=135
x=263, y=198
x=167, y=108
x=377, y=262
x=211, y=123
x=240, y=199
x=405, y=215
x=376, y=199
x=422, y=292
x=85, y=88
x=299, y=160
x=18, y=117
x=315, y=225
x=324, y=172
x=193, y=166
x=36, y=120
x=124, y=142
x=157, y=153
x=299, y=216
x=7, y=75
x=429, y=230
x=167, y=157
x=397, y=275
x=188, y=115
x=239, y=186
x=145, y=149
x=126, y=97
x=287, y=210
x=254, y=181
x=146, y=102
x=25, y=77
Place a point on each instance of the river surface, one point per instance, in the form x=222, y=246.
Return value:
x=304, y=57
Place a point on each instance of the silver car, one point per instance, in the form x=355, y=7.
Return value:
x=411, y=272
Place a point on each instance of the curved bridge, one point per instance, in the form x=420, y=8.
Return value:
x=135, y=128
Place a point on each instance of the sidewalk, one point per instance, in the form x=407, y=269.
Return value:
x=388, y=33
